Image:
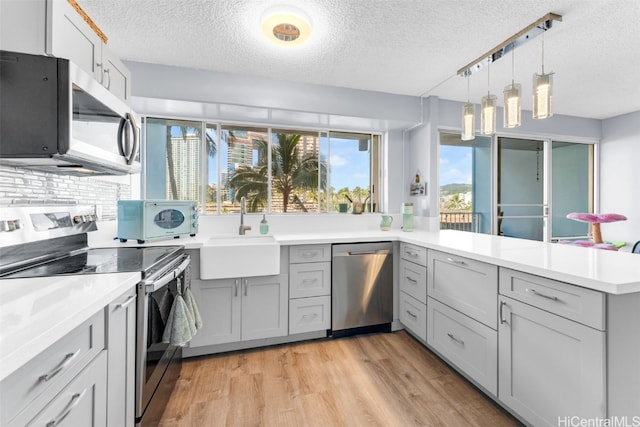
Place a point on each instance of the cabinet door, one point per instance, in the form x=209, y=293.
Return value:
x=82, y=403
x=413, y=315
x=68, y=36
x=310, y=279
x=309, y=314
x=219, y=305
x=121, y=343
x=413, y=280
x=116, y=77
x=468, y=344
x=265, y=307
x=464, y=284
x=549, y=367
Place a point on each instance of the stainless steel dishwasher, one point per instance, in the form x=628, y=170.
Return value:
x=361, y=287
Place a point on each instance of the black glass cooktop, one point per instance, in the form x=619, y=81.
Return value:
x=103, y=260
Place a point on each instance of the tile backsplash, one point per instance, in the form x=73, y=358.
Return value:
x=19, y=183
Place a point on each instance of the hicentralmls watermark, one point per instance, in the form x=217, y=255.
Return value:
x=575, y=421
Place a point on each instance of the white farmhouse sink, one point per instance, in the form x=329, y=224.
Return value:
x=230, y=256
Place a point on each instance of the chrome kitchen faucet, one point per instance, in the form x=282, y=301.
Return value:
x=243, y=208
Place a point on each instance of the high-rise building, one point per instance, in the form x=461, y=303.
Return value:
x=185, y=155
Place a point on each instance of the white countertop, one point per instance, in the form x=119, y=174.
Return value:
x=37, y=312
x=606, y=271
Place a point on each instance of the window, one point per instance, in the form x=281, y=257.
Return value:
x=353, y=170
x=172, y=158
x=277, y=170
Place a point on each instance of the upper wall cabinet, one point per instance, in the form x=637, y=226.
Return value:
x=54, y=27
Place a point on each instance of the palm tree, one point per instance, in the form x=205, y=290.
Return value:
x=290, y=173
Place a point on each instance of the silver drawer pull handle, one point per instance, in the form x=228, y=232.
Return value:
x=458, y=340
x=411, y=253
x=310, y=316
x=502, y=304
x=538, y=294
x=246, y=287
x=411, y=314
x=68, y=358
x=75, y=401
x=309, y=281
x=235, y=285
x=309, y=254
x=127, y=303
x=455, y=261
x=411, y=279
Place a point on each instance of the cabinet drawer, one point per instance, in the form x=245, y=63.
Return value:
x=466, y=285
x=413, y=315
x=81, y=403
x=413, y=280
x=469, y=345
x=61, y=361
x=413, y=253
x=309, y=253
x=309, y=314
x=573, y=302
x=309, y=279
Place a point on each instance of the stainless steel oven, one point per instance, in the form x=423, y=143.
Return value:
x=44, y=241
x=158, y=364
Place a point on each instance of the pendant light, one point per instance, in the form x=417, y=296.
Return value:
x=468, y=118
x=542, y=92
x=512, y=106
x=488, y=109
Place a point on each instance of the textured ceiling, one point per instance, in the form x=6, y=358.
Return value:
x=410, y=47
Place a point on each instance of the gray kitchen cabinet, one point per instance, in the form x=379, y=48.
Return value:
x=241, y=309
x=83, y=402
x=466, y=343
x=412, y=304
x=550, y=367
x=413, y=315
x=309, y=288
x=26, y=391
x=464, y=284
x=121, y=345
x=53, y=27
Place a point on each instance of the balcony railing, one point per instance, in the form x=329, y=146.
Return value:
x=463, y=221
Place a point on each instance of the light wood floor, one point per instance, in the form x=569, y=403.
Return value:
x=384, y=379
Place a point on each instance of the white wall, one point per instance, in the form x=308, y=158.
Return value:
x=620, y=176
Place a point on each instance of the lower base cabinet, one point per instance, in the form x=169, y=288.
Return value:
x=550, y=368
x=413, y=315
x=241, y=309
x=468, y=344
x=309, y=314
x=83, y=402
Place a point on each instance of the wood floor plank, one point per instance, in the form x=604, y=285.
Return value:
x=382, y=380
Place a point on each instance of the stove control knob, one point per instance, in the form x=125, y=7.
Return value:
x=77, y=219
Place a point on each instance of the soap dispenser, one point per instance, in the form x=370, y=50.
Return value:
x=264, y=225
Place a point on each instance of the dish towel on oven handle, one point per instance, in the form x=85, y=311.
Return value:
x=181, y=326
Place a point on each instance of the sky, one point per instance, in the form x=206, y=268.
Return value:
x=455, y=165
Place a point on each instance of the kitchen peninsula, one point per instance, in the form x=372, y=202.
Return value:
x=551, y=309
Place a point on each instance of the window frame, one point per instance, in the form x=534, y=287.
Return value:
x=322, y=207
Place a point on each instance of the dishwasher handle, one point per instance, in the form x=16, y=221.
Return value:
x=373, y=252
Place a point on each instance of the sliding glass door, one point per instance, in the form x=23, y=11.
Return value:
x=522, y=207
x=516, y=187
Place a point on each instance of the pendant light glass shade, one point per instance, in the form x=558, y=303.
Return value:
x=512, y=106
x=468, y=122
x=542, y=95
x=488, y=114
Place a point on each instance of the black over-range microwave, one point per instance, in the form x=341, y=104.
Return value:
x=56, y=117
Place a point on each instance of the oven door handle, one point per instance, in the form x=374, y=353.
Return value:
x=153, y=285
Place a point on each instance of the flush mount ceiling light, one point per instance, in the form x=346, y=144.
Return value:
x=288, y=27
